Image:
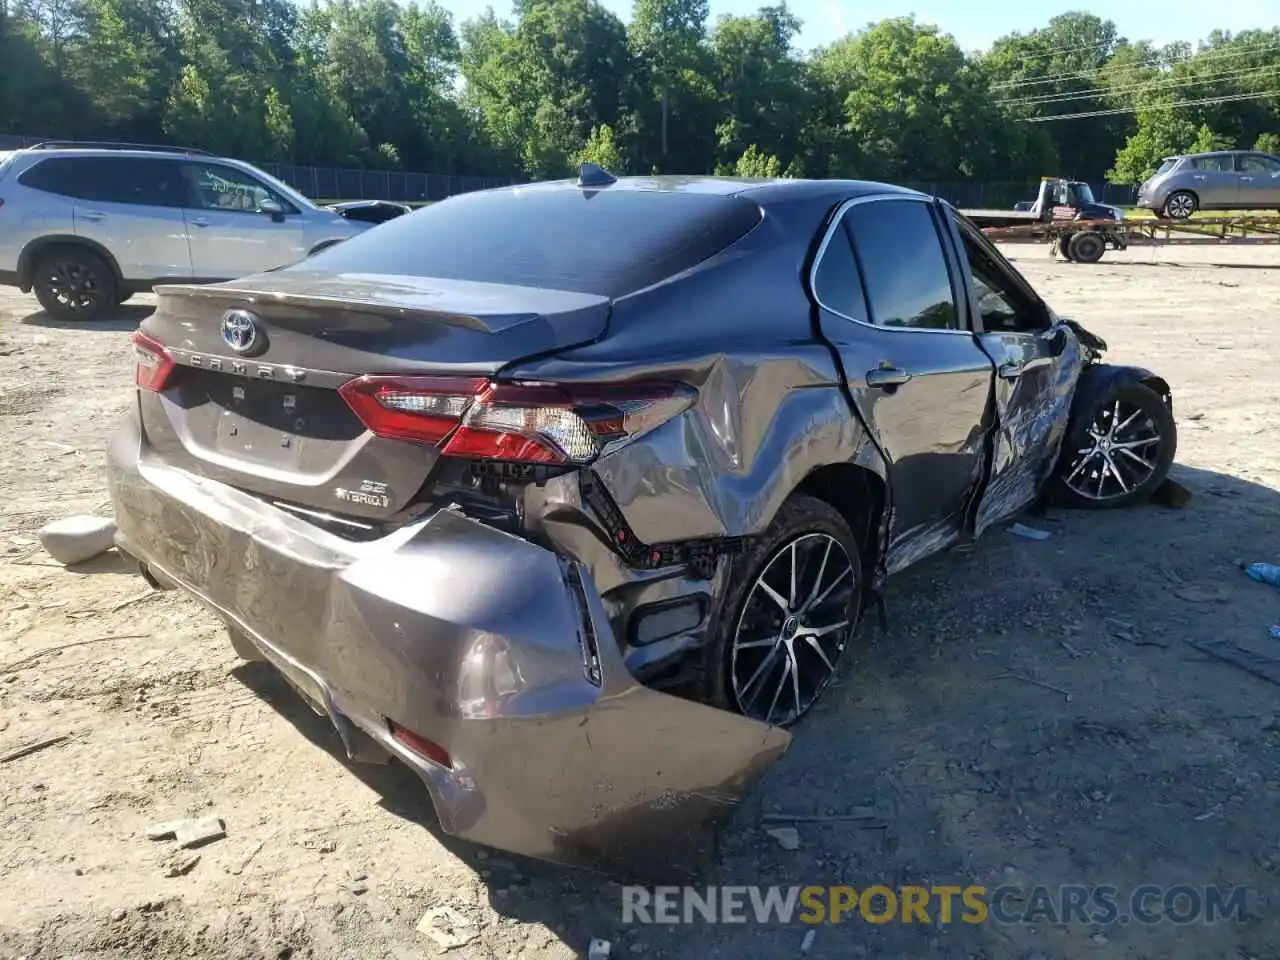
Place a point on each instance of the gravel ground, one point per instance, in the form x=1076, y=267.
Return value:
x=1150, y=763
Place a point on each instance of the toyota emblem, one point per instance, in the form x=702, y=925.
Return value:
x=240, y=330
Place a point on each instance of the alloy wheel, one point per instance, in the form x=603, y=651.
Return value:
x=73, y=286
x=795, y=623
x=1121, y=455
x=1180, y=205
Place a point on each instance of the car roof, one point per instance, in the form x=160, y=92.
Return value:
x=762, y=189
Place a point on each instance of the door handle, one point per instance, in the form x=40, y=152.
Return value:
x=199, y=221
x=93, y=215
x=1016, y=368
x=1198, y=176
x=887, y=377
x=1246, y=179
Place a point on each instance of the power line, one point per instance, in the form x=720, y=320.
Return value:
x=1162, y=106
x=1214, y=55
x=1138, y=87
x=1059, y=51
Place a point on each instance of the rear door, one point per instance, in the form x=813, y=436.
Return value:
x=1038, y=362
x=1259, y=181
x=1215, y=181
x=39, y=202
x=232, y=233
x=132, y=206
x=890, y=303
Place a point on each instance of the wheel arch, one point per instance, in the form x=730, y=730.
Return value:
x=1099, y=378
x=861, y=495
x=32, y=252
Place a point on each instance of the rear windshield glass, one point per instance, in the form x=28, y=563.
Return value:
x=601, y=242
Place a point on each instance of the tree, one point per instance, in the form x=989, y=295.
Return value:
x=601, y=150
x=753, y=163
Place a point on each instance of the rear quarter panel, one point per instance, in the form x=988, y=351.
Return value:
x=771, y=407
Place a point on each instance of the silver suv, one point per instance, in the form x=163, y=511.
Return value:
x=87, y=225
x=1225, y=180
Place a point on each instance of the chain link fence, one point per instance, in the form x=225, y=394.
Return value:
x=335, y=183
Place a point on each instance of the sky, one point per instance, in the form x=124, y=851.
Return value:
x=975, y=23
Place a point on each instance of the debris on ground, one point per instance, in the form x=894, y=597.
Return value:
x=1259, y=664
x=598, y=949
x=179, y=864
x=1262, y=572
x=77, y=539
x=189, y=833
x=867, y=816
x=1033, y=681
x=1029, y=533
x=788, y=837
x=807, y=943
x=1275, y=631
x=448, y=928
x=31, y=748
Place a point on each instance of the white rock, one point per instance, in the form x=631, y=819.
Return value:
x=77, y=539
x=599, y=950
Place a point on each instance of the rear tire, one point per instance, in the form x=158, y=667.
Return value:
x=74, y=284
x=771, y=654
x=243, y=646
x=1107, y=463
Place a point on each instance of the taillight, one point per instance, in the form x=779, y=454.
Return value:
x=523, y=422
x=152, y=363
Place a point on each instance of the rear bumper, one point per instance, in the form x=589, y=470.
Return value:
x=469, y=637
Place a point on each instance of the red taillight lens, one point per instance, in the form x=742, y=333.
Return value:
x=526, y=422
x=427, y=749
x=417, y=409
x=152, y=364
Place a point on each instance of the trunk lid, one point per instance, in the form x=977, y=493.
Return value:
x=268, y=417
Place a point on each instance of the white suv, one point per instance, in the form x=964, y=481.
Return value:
x=87, y=225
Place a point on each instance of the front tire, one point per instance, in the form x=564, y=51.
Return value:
x=1180, y=205
x=74, y=284
x=789, y=612
x=1117, y=453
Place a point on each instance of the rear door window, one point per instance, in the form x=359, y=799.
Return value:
x=1214, y=163
x=138, y=181
x=837, y=283
x=903, y=265
x=60, y=175
x=607, y=242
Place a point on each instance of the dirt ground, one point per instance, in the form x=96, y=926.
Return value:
x=1151, y=763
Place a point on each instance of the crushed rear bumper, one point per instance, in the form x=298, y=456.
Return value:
x=492, y=647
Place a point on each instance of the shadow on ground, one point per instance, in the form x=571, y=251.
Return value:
x=123, y=318
x=1035, y=716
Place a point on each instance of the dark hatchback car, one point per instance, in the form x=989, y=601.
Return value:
x=571, y=496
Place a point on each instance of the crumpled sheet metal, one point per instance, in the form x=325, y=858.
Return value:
x=474, y=639
x=723, y=469
x=1034, y=411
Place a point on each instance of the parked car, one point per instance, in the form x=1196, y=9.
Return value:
x=87, y=225
x=370, y=211
x=583, y=487
x=1225, y=180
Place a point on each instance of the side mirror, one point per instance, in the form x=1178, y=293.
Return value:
x=268, y=205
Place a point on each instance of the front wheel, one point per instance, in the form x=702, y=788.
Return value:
x=789, y=612
x=1086, y=246
x=1180, y=205
x=1120, y=451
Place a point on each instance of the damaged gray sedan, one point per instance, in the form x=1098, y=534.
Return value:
x=571, y=496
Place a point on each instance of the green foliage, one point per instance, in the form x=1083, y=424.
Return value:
x=1268, y=143
x=602, y=150
x=396, y=84
x=753, y=163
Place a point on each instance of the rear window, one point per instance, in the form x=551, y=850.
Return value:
x=601, y=242
x=1167, y=165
